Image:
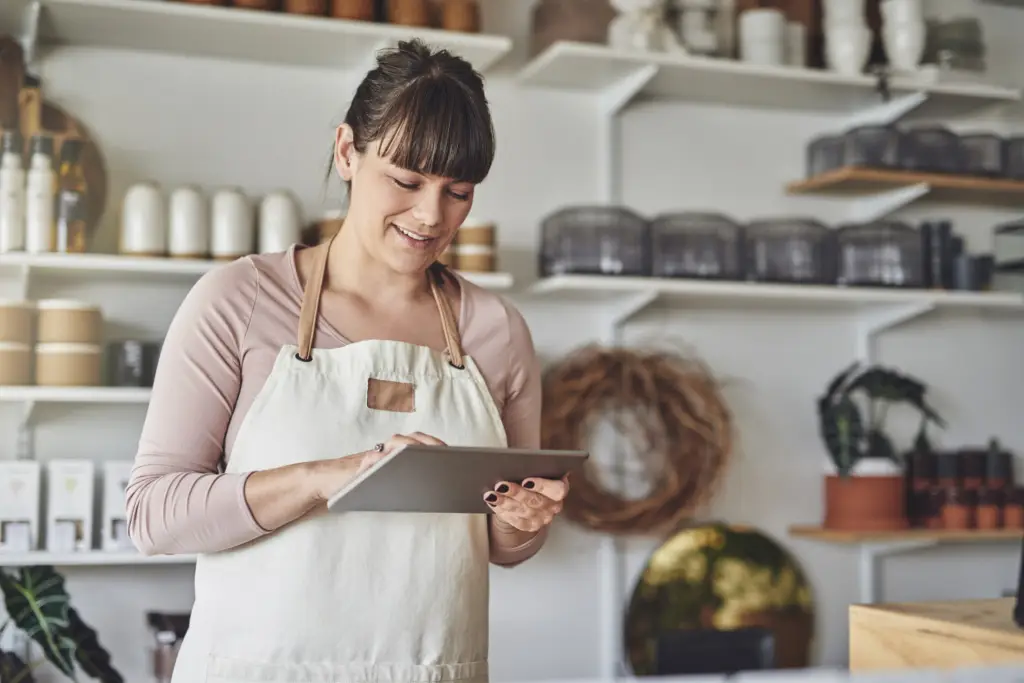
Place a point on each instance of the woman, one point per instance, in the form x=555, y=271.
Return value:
x=281, y=365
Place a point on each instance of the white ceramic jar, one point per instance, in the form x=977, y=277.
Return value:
x=233, y=230
x=143, y=221
x=188, y=224
x=280, y=224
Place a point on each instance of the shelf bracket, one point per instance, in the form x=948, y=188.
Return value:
x=25, y=449
x=624, y=309
x=871, y=555
x=878, y=206
x=612, y=102
x=870, y=326
x=30, y=34
x=618, y=96
x=24, y=282
x=885, y=113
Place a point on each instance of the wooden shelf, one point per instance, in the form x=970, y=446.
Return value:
x=235, y=34
x=858, y=181
x=723, y=294
x=598, y=69
x=188, y=270
x=95, y=558
x=937, y=535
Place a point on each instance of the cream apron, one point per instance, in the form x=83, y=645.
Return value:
x=377, y=597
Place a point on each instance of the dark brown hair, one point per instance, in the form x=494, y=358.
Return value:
x=429, y=112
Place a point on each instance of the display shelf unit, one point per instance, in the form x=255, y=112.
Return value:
x=229, y=33
x=873, y=546
x=853, y=182
x=93, y=558
x=599, y=69
x=74, y=394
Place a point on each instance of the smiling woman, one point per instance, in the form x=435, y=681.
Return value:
x=285, y=375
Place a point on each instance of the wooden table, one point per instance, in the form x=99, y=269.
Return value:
x=935, y=635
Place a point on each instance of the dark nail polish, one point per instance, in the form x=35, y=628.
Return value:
x=529, y=485
x=491, y=498
x=503, y=488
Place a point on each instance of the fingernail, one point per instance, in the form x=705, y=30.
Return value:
x=502, y=488
x=491, y=498
x=529, y=484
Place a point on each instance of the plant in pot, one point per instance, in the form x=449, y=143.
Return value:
x=866, y=492
x=38, y=605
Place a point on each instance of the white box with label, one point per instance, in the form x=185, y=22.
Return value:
x=69, y=505
x=114, y=529
x=20, y=504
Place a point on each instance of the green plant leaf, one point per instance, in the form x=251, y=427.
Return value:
x=94, y=660
x=838, y=381
x=38, y=602
x=14, y=670
x=879, y=446
x=842, y=429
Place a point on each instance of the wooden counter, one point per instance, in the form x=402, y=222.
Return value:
x=937, y=635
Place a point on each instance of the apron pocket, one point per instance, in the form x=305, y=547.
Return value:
x=233, y=670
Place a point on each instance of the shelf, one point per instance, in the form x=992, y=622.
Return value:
x=936, y=535
x=95, y=558
x=859, y=181
x=103, y=395
x=107, y=265
x=719, y=294
x=598, y=69
x=235, y=34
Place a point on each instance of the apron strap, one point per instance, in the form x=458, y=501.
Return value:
x=310, y=310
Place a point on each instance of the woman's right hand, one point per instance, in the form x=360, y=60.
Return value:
x=331, y=476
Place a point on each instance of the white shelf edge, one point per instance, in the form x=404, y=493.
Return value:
x=74, y=394
x=92, y=558
x=596, y=284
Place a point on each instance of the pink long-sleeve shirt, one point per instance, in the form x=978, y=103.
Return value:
x=217, y=355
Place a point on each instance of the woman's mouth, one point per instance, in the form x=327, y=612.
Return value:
x=414, y=239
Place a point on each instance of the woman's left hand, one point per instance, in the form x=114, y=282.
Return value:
x=529, y=507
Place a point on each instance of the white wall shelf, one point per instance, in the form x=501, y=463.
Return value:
x=74, y=394
x=598, y=69
x=235, y=34
x=95, y=558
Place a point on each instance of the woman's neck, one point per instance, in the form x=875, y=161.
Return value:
x=351, y=268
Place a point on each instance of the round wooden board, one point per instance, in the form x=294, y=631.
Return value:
x=62, y=125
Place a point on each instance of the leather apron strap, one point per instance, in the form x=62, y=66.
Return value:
x=310, y=311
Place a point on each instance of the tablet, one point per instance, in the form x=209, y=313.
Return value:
x=451, y=479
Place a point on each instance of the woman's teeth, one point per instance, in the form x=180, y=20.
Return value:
x=412, y=235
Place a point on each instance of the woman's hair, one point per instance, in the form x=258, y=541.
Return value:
x=429, y=112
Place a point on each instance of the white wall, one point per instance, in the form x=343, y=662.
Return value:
x=212, y=123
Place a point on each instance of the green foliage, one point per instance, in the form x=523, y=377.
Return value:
x=850, y=434
x=39, y=605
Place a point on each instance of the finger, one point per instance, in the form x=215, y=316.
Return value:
x=555, y=489
x=399, y=440
x=505, y=505
x=369, y=460
x=517, y=522
x=427, y=439
x=518, y=493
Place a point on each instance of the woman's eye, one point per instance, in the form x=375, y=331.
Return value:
x=405, y=186
x=460, y=196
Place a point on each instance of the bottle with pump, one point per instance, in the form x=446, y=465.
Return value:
x=72, y=209
x=12, y=193
x=40, y=190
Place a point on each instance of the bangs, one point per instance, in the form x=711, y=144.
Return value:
x=435, y=127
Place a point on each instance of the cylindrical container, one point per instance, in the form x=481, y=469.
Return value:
x=16, y=318
x=409, y=12
x=460, y=15
x=189, y=224
x=998, y=468
x=15, y=364
x=263, y=5
x=40, y=196
x=360, y=10
x=447, y=257
x=312, y=7
x=1013, y=510
x=477, y=232
x=280, y=225
x=973, y=464
x=959, y=510
x=66, y=321
x=763, y=36
x=990, y=509
x=949, y=470
x=233, y=232
x=12, y=193
x=475, y=258
x=143, y=221
x=68, y=365
x=127, y=363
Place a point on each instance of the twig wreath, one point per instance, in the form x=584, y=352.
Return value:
x=668, y=406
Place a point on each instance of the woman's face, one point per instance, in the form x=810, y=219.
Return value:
x=402, y=218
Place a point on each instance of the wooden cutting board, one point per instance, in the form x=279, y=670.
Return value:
x=52, y=119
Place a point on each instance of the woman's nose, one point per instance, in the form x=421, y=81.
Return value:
x=428, y=210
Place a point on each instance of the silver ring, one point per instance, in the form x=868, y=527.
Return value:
x=379, y=448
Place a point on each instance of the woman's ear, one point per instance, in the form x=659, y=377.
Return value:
x=344, y=152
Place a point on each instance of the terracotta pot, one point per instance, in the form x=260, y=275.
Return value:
x=865, y=503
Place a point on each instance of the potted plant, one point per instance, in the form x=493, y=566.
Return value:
x=39, y=606
x=866, y=492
